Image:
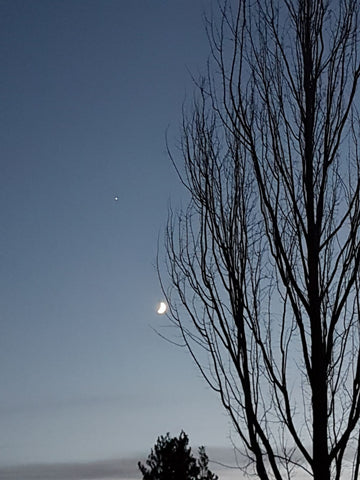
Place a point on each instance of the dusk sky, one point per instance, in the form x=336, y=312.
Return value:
x=88, y=90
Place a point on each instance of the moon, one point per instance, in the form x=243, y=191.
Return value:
x=161, y=308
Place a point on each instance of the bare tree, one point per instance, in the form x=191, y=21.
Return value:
x=262, y=274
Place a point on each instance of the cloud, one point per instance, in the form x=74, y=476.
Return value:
x=100, y=470
x=223, y=462
x=112, y=469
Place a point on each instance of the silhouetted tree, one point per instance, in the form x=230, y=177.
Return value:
x=263, y=265
x=203, y=462
x=171, y=459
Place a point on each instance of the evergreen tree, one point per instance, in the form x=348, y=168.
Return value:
x=171, y=459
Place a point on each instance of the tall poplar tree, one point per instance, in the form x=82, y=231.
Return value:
x=262, y=269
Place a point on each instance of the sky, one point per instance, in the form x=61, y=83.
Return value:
x=88, y=90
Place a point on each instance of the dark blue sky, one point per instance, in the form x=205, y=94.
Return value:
x=88, y=89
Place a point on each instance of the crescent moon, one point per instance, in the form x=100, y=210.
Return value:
x=162, y=308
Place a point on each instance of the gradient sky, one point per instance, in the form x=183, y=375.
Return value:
x=88, y=89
